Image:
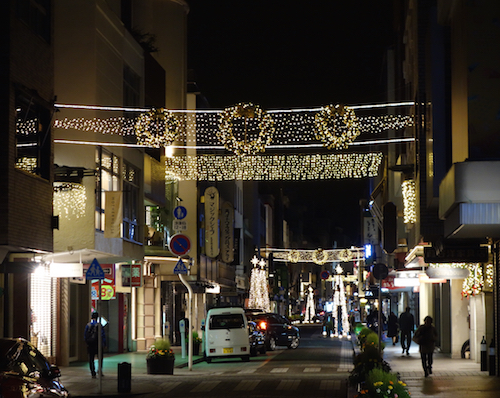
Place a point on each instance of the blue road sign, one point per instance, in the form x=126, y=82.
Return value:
x=180, y=268
x=180, y=212
x=95, y=271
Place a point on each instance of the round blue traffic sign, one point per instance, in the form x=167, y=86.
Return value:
x=179, y=244
x=180, y=212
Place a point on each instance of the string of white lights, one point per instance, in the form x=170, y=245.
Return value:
x=315, y=109
x=293, y=167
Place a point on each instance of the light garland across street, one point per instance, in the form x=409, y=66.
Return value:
x=242, y=129
x=294, y=167
x=318, y=256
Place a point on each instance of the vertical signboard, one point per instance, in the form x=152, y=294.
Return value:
x=370, y=231
x=211, y=222
x=113, y=214
x=227, y=233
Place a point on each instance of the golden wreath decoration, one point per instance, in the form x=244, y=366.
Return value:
x=247, y=111
x=337, y=126
x=157, y=128
x=293, y=256
x=344, y=255
x=320, y=256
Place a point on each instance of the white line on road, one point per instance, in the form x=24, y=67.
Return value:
x=288, y=385
x=247, y=385
x=205, y=386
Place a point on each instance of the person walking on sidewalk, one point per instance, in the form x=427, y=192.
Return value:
x=392, y=327
x=90, y=336
x=406, y=325
x=426, y=337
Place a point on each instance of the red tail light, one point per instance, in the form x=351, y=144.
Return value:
x=263, y=325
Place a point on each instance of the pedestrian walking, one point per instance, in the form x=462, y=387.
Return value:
x=426, y=337
x=392, y=327
x=90, y=335
x=406, y=325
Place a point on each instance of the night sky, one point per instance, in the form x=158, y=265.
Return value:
x=292, y=54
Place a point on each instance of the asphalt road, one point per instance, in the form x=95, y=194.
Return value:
x=317, y=368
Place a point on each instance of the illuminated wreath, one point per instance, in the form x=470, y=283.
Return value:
x=337, y=126
x=157, y=128
x=344, y=255
x=320, y=253
x=293, y=256
x=245, y=147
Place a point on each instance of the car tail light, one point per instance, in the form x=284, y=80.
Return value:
x=212, y=350
x=244, y=349
x=263, y=325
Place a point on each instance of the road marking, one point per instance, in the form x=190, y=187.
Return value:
x=169, y=385
x=312, y=370
x=279, y=370
x=205, y=386
x=327, y=385
x=246, y=371
x=288, y=385
x=247, y=385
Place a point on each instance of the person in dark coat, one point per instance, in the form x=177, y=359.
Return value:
x=406, y=325
x=426, y=337
x=392, y=327
x=90, y=336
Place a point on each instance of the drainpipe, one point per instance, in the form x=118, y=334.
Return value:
x=190, y=318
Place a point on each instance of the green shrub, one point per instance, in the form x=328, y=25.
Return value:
x=383, y=384
x=365, y=362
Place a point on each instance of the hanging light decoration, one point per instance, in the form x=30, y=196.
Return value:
x=293, y=167
x=336, y=126
x=157, y=128
x=318, y=256
x=244, y=117
x=409, y=201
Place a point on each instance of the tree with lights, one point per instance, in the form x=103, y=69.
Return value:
x=339, y=301
x=259, y=291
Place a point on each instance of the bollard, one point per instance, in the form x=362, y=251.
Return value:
x=484, y=360
x=492, y=357
x=124, y=377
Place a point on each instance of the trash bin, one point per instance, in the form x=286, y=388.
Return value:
x=124, y=377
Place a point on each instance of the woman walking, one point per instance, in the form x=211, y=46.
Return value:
x=426, y=337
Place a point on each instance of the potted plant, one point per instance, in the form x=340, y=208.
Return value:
x=196, y=343
x=160, y=358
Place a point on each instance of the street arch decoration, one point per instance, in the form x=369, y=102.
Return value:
x=318, y=256
x=331, y=126
x=294, y=144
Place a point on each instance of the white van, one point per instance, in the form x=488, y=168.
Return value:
x=226, y=334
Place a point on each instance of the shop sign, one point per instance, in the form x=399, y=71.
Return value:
x=227, y=233
x=131, y=275
x=211, y=222
x=113, y=214
x=107, y=284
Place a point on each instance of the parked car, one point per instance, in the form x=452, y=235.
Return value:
x=25, y=372
x=278, y=330
x=226, y=334
x=257, y=339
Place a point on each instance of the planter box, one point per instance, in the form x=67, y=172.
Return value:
x=160, y=366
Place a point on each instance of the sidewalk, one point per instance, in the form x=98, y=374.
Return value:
x=76, y=377
x=451, y=377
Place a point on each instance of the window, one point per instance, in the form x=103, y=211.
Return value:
x=36, y=14
x=130, y=202
x=108, y=179
x=232, y=321
x=33, y=141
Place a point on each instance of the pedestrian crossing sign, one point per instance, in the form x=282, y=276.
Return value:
x=180, y=267
x=95, y=271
